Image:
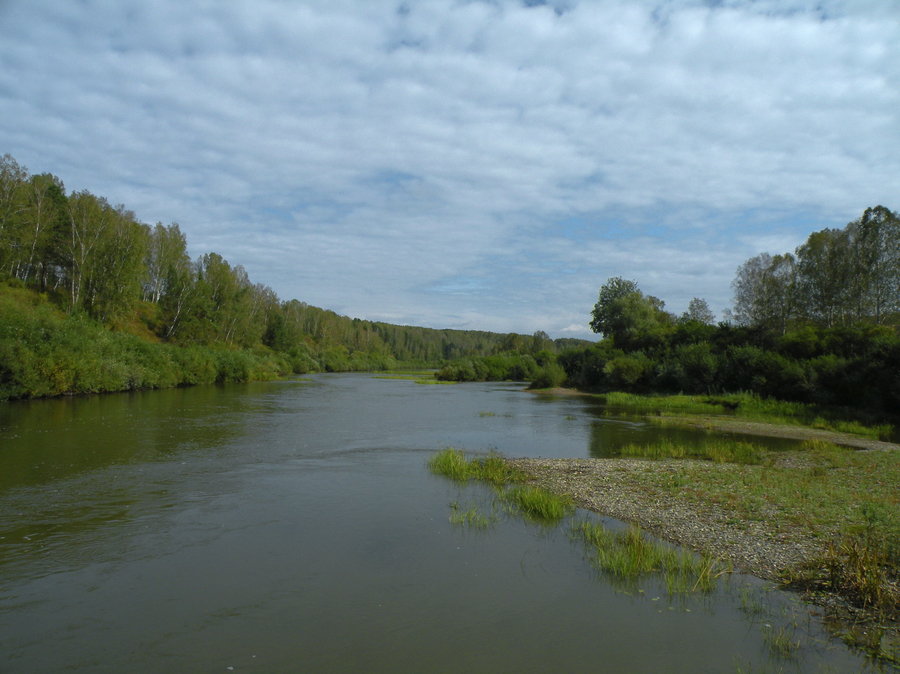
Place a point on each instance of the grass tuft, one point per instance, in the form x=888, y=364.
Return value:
x=538, y=504
x=469, y=517
x=450, y=463
x=629, y=554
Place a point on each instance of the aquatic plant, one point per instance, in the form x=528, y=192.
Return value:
x=492, y=468
x=469, y=517
x=629, y=554
x=782, y=641
x=538, y=504
x=450, y=463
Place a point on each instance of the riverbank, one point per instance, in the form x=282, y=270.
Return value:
x=780, y=521
x=749, y=414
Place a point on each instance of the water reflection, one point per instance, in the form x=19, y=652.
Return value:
x=294, y=527
x=609, y=435
x=47, y=440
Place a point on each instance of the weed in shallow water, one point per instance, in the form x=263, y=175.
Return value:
x=450, y=463
x=538, y=504
x=469, y=517
x=629, y=554
x=781, y=641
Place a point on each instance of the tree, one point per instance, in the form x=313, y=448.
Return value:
x=765, y=291
x=605, y=313
x=112, y=284
x=875, y=261
x=824, y=273
x=88, y=219
x=630, y=318
x=13, y=179
x=43, y=233
x=698, y=310
x=166, y=252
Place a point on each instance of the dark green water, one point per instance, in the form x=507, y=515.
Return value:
x=294, y=527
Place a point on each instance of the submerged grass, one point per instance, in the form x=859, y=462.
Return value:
x=469, y=517
x=538, y=504
x=629, y=554
x=782, y=641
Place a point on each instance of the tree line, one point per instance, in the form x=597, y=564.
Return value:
x=819, y=326
x=838, y=277
x=99, y=265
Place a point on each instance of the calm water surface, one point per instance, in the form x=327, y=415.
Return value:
x=294, y=527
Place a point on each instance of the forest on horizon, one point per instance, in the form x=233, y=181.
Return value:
x=93, y=300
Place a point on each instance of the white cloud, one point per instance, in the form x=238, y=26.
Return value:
x=364, y=158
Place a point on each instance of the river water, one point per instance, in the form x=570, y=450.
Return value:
x=294, y=527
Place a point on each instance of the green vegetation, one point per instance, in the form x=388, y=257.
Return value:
x=819, y=329
x=492, y=468
x=538, y=504
x=845, y=498
x=82, y=270
x=748, y=407
x=44, y=352
x=628, y=555
x=470, y=517
x=782, y=641
x=720, y=450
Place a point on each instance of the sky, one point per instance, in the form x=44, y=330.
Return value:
x=466, y=164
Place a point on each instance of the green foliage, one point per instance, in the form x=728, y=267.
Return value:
x=550, y=375
x=848, y=366
x=104, y=265
x=44, y=352
x=500, y=367
x=632, y=320
x=838, y=277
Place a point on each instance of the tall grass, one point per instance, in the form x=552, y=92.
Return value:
x=452, y=463
x=469, y=517
x=534, y=503
x=538, y=504
x=629, y=554
x=720, y=450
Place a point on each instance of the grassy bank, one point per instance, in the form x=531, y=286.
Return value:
x=822, y=519
x=625, y=556
x=750, y=407
x=44, y=352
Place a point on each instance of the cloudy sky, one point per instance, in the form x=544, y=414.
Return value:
x=466, y=164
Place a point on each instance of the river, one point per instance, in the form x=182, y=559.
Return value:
x=293, y=526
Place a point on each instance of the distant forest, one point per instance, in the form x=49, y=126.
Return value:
x=92, y=299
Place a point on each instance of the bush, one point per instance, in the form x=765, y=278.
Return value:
x=549, y=376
